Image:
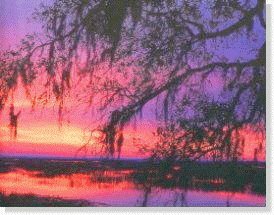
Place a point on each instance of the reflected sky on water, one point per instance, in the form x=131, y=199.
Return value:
x=116, y=188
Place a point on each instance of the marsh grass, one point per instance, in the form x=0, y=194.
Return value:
x=206, y=176
x=29, y=200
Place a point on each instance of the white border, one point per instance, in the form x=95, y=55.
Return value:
x=195, y=210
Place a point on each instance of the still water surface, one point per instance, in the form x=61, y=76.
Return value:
x=113, y=188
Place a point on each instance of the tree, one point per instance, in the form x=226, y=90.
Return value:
x=128, y=53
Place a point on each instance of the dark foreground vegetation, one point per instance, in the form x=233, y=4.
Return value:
x=15, y=200
x=235, y=177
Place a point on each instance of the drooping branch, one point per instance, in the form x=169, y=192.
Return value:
x=149, y=36
x=246, y=21
x=119, y=118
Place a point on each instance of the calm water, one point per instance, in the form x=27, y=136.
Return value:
x=115, y=188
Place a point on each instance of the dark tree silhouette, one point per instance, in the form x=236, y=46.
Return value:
x=13, y=122
x=128, y=53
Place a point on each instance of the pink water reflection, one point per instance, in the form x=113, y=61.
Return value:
x=119, y=191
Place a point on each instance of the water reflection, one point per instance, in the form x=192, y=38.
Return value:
x=118, y=188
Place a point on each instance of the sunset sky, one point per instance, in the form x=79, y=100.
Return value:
x=39, y=133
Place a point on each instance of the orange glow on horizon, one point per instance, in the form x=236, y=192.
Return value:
x=39, y=133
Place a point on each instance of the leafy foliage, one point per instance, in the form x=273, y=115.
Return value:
x=128, y=53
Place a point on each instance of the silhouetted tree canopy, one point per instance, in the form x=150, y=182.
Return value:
x=127, y=53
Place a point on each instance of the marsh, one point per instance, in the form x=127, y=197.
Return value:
x=56, y=182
